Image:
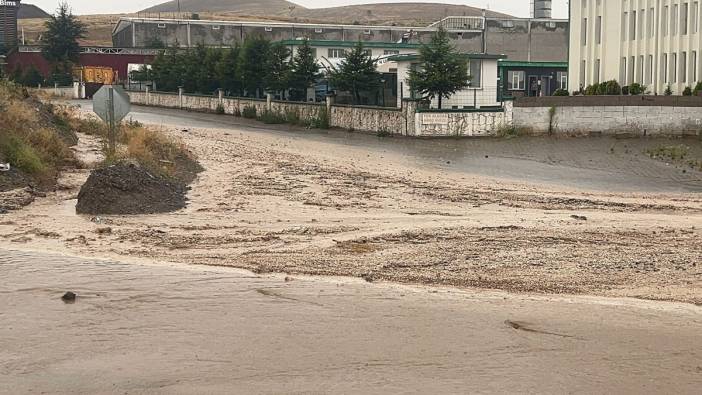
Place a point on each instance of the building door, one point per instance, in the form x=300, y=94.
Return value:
x=533, y=85
x=545, y=86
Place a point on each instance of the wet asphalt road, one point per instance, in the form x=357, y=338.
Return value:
x=598, y=163
x=175, y=329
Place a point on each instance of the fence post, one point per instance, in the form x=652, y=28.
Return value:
x=220, y=94
x=269, y=102
x=148, y=95
x=180, y=97
x=329, y=103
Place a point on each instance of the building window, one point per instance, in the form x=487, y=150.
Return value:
x=694, y=17
x=632, y=26
x=598, y=30
x=683, y=18
x=641, y=70
x=625, y=16
x=664, y=21
x=673, y=68
x=562, y=77
x=630, y=78
x=693, y=66
x=674, y=20
x=583, y=67
x=584, y=32
x=642, y=16
x=391, y=52
x=622, y=72
x=368, y=52
x=336, y=53
x=597, y=71
x=515, y=80
x=683, y=67
x=475, y=70
x=649, y=22
x=649, y=69
x=664, y=68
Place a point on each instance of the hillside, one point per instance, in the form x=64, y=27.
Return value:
x=29, y=11
x=250, y=7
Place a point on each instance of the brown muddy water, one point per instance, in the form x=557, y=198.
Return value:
x=162, y=328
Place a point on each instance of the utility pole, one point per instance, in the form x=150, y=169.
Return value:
x=179, y=16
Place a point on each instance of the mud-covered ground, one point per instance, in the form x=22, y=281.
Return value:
x=273, y=202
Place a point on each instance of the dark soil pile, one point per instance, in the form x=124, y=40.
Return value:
x=127, y=188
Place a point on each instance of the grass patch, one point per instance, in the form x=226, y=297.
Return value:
x=249, y=112
x=675, y=153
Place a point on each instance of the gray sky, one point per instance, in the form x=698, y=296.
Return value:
x=514, y=7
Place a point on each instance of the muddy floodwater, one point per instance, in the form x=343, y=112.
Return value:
x=163, y=328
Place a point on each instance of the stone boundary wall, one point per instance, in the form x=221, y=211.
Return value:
x=609, y=101
x=610, y=120
x=405, y=121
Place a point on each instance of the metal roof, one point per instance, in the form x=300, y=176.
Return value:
x=507, y=63
x=411, y=57
x=349, y=44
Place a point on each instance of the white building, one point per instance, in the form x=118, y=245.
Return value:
x=655, y=43
x=483, y=90
x=331, y=52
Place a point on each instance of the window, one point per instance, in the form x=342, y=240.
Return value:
x=268, y=29
x=597, y=71
x=161, y=25
x=622, y=72
x=649, y=69
x=664, y=67
x=562, y=77
x=693, y=66
x=673, y=68
x=642, y=16
x=664, y=21
x=630, y=78
x=318, y=30
x=515, y=80
x=694, y=17
x=391, y=52
x=583, y=67
x=674, y=20
x=368, y=52
x=216, y=27
x=683, y=67
x=584, y=32
x=683, y=19
x=475, y=68
x=649, y=22
x=624, y=25
x=598, y=30
x=336, y=53
x=640, y=75
x=632, y=26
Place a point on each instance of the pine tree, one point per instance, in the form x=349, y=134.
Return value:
x=60, y=41
x=305, y=69
x=251, y=60
x=278, y=69
x=443, y=72
x=227, y=71
x=356, y=73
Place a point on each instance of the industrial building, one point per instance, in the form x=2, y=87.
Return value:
x=8, y=24
x=523, y=39
x=653, y=43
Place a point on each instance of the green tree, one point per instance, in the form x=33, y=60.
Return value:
x=305, y=70
x=444, y=71
x=31, y=77
x=697, y=89
x=251, y=60
x=356, y=73
x=60, y=40
x=227, y=71
x=167, y=70
x=278, y=69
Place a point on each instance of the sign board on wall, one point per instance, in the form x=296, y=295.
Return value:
x=435, y=118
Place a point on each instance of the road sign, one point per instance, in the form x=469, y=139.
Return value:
x=120, y=103
x=111, y=104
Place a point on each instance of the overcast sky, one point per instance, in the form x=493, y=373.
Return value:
x=514, y=7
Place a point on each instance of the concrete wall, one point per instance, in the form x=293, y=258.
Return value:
x=405, y=121
x=640, y=116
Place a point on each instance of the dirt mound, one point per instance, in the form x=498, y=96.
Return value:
x=127, y=188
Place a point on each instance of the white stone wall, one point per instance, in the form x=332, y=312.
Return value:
x=638, y=120
x=466, y=124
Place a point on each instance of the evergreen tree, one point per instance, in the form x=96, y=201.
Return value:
x=32, y=77
x=166, y=70
x=305, y=69
x=444, y=71
x=60, y=40
x=356, y=73
x=278, y=69
x=251, y=60
x=227, y=71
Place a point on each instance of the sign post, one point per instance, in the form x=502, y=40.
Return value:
x=111, y=103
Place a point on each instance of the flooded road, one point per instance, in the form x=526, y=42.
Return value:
x=598, y=164
x=161, y=328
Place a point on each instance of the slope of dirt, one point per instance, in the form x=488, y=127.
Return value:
x=258, y=7
x=126, y=188
x=29, y=11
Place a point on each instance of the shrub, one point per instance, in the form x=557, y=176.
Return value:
x=220, y=109
x=237, y=112
x=591, y=90
x=668, y=90
x=293, y=117
x=637, y=89
x=687, y=91
x=249, y=112
x=561, y=92
x=270, y=117
x=612, y=87
x=322, y=119
x=698, y=88
x=21, y=155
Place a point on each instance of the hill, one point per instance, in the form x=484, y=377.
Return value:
x=249, y=7
x=29, y=11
